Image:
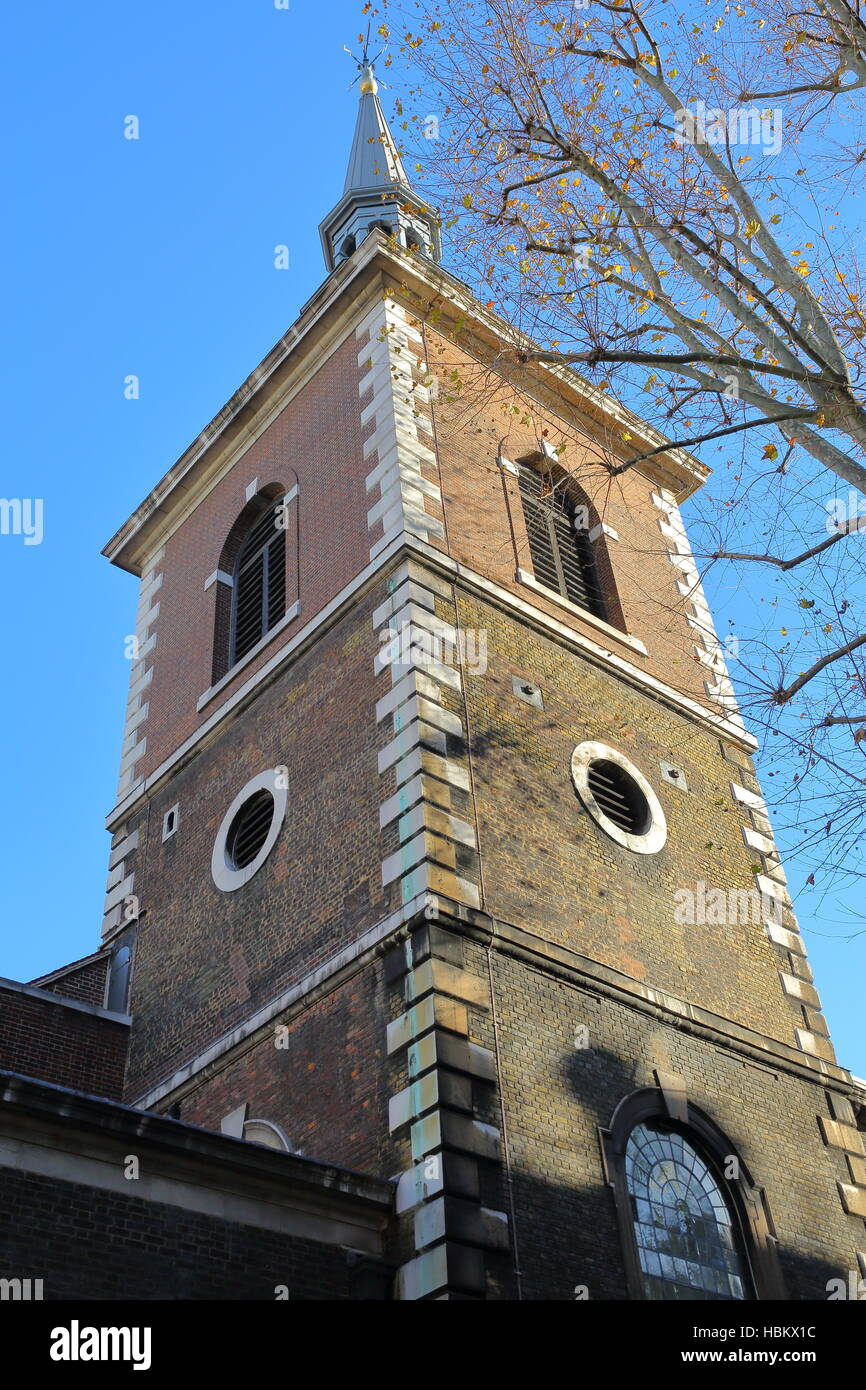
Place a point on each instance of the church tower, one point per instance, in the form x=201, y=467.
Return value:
x=438, y=850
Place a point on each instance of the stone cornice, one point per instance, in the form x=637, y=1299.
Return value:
x=72, y=1136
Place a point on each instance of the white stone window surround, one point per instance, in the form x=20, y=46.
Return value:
x=265, y=1132
x=226, y=877
x=171, y=822
x=524, y=577
x=655, y=837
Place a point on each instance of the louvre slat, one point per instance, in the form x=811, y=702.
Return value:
x=260, y=583
x=250, y=829
x=561, y=557
x=619, y=796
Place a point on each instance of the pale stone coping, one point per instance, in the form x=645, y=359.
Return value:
x=426, y=816
x=135, y=754
x=432, y=877
x=603, y=529
x=417, y=707
x=288, y=617
x=785, y=937
x=115, y=875
x=752, y=800
x=524, y=577
x=408, y=591
x=414, y=735
x=415, y=682
x=655, y=836
x=122, y=848
x=117, y=893
x=444, y=565
x=226, y=877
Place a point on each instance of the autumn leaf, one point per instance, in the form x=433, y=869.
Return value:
x=770, y=452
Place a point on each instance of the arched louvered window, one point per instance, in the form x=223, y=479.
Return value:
x=562, y=555
x=259, y=594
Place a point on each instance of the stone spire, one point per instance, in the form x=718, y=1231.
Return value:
x=377, y=192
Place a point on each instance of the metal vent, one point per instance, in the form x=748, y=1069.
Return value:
x=619, y=797
x=250, y=829
x=260, y=583
x=562, y=557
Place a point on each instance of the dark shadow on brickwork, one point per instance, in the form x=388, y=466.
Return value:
x=570, y=1242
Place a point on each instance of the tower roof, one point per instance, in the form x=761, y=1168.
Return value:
x=374, y=160
x=377, y=194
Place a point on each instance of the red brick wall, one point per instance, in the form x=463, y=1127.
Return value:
x=469, y=429
x=316, y=438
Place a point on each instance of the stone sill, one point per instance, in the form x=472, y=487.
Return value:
x=636, y=645
x=229, y=676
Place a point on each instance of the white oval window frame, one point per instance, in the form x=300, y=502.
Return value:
x=655, y=836
x=226, y=877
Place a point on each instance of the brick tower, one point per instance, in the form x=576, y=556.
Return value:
x=438, y=847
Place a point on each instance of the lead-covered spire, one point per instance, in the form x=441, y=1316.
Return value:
x=377, y=192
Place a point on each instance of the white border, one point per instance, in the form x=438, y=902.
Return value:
x=653, y=839
x=226, y=877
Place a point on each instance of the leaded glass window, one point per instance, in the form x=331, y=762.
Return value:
x=683, y=1225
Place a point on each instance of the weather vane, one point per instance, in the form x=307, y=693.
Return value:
x=365, y=63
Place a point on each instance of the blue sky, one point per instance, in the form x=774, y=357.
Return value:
x=152, y=257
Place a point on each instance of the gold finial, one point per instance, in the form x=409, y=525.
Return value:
x=365, y=63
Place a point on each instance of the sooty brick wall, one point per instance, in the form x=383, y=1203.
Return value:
x=85, y=1243
x=206, y=959
x=326, y=1085
x=46, y=1039
x=556, y=1095
x=549, y=867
